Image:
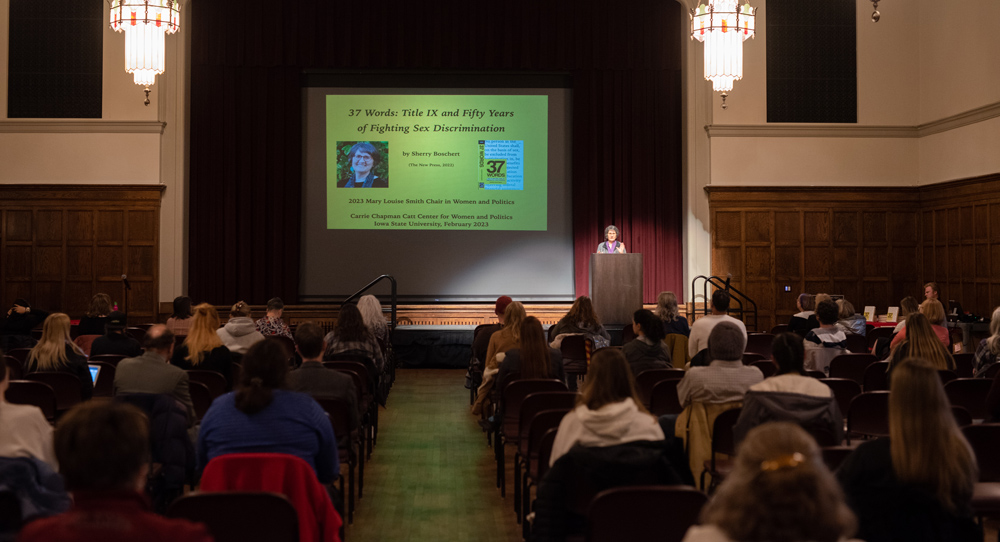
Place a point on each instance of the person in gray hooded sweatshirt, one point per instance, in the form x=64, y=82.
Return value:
x=239, y=333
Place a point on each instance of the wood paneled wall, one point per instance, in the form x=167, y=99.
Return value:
x=872, y=245
x=61, y=244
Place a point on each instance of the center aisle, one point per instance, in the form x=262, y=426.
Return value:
x=432, y=476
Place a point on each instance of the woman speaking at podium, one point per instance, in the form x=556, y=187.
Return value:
x=611, y=244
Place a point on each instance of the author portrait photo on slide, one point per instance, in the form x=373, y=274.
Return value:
x=362, y=164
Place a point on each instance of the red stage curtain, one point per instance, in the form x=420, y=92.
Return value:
x=246, y=108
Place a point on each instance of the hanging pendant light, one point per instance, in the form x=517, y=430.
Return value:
x=723, y=26
x=145, y=24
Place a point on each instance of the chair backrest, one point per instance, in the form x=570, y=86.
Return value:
x=645, y=381
x=869, y=414
x=236, y=516
x=20, y=354
x=136, y=333
x=767, y=367
x=29, y=392
x=879, y=333
x=780, y=328
x=201, y=398
x=544, y=453
x=985, y=441
x=992, y=370
x=844, y=391
x=215, y=382
x=364, y=365
x=851, y=366
x=513, y=396
x=113, y=359
x=663, y=398
x=970, y=393
x=961, y=415
x=946, y=376
x=875, y=378
x=963, y=364
x=339, y=411
x=814, y=374
x=84, y=342
x=833, y=456
x=628, y=334
x=760, y=343
x=14, y=367
x=749, y=358
x=105, y=385
x=723, y=441
x=576, y=348
x=358, y=373
x=644, y=513
x=857, y=344
x=66, y=386
x=533, y=403
x=538, y=426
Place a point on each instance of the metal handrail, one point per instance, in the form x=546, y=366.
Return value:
x=735, y=294
x=373, y=283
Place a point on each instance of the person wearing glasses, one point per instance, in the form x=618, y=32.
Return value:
x=363, y=159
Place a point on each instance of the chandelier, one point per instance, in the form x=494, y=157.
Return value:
x=145, y=23
x=723, y=25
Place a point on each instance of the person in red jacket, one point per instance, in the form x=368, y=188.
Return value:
x=103, y=453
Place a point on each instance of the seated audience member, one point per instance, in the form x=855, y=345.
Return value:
x=582, y=320
x=533, y=358
x=182, y=318
x=825, y=342
x=24, y=431
x=850, y=321
x=15, y=328
x=790, y=396
x=202, y=349
x=608, y=411
x=931, y=291
x=56, y=352
x=481, y=342
x=271, y=323
x=647, y=350
x=371, y=313
x=97, y=316
x=989, y=348
x=917, y=484
x=921, y=341
x=350, y=335
x=667, y=311
x=315, y=379
x=151, y=372
x=239, y=333
x=115, y=341
x=702, y=327
x=934, y=311
x=261, y=416
x=779, y=491
x=103, y=452
x=804, y=320
x=725, y=379
x=907, y=306
x=508, y=338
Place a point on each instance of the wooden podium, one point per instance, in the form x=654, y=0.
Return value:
x=616, y=286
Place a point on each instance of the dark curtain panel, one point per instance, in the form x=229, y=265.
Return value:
x=246, y=118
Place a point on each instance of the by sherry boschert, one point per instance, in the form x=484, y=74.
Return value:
x=448, y=162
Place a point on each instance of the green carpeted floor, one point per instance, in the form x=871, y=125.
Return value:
x=432, y=476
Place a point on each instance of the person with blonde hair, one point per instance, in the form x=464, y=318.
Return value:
x=240, y=332
x=934, y=311
x=97, y=315
x=371, y=313
x=666, y=310
x=917, y=484
x=202, y=349
x=849, y=320
x=989, y=348
x=582, y=320
x=56, y=352
x=608, y=411
x=779, y=491
x=920, y=340
x=508, y=338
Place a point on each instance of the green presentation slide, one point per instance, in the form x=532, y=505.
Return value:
x=436, y=162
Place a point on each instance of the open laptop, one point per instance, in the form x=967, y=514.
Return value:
x=95, y=370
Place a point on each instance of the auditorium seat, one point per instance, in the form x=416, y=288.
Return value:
x=508, y=429
x=645, y=381
x=29, y=392
x=644, y=513
x=65, y=385
x=237, y=516
x=215, y=382
x=348, y=445
x=868, y=415
x=723, y=442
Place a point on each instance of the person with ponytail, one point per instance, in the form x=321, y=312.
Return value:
x=647, y=351
x=262, y=416
x=779, y=491
x=791, y=396
x=240, y=332
x=917, y=484
x=202, y=349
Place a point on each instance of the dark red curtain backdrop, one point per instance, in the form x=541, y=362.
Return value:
x=246, y=118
